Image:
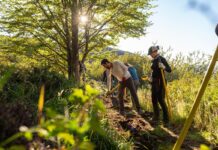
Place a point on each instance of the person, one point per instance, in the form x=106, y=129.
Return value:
x=82, y=70
x=120, y=71
x=134, y=75
x=157, y=87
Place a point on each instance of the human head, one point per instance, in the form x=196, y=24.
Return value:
x=153, y=51
x=106, y=63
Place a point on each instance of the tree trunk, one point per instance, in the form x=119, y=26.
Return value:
x=68, y=41
x=75, y=50
x=86, y=43
x=69, y=64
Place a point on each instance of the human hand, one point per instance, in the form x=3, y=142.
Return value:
x=150, y=79
x=161, y=65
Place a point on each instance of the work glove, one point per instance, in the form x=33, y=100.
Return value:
x=145, y=78
x=161, y=65
x=150, y=79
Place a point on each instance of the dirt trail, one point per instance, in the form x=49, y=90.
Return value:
x=144, y=133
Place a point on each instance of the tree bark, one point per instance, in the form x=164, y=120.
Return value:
x=75, y=50
x=68, y=41
x=86, y=43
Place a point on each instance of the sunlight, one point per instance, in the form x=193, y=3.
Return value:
x=83, y=19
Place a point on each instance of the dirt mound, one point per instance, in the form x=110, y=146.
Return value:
x=146, y=135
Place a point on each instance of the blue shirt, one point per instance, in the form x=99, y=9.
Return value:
x=133, y=73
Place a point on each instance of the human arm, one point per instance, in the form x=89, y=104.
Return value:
x=163, y=64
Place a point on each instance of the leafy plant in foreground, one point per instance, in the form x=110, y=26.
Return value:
x=63, y=132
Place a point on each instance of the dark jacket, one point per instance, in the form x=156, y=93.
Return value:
x=156, y=73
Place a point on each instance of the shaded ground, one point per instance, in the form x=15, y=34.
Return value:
x=13, y=115
x=145, y=133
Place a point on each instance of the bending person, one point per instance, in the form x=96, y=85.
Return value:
x=120, y=71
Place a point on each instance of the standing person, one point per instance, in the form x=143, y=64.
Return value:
x=134, y=75
x=158, y=91
x=120, y=71
x=82, y=71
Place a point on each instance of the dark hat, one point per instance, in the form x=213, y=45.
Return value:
x=152, y=49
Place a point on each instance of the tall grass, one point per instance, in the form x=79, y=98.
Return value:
x=183, y=85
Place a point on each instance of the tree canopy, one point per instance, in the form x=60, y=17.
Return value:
x=54, y=30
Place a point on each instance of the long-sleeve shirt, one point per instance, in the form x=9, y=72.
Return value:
x=109, y=78
x=119, y=70
x=156, y=70
x=133, y=73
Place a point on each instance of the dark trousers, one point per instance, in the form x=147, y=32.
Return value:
x=158, y=95
x=130, y=85
x=136, y=83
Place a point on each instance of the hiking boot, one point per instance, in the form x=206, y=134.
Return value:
x=166, y=123
x=140, y=112
x=122, y=112
x=155, y=119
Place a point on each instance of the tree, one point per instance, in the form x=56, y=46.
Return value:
x=61, y=37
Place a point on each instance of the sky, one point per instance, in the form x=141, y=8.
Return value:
x=183, y=25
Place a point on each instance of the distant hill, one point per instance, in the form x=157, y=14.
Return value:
x=117, y=51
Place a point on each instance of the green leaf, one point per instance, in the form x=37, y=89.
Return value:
x=91, y=91
x=42, y=132
x=99, y=105
x=204, y=147
x=87, y=146
x=28, y=135
x=4, y=78
x=50, y=113
x=17, y=147
x=84, y=126
x=51, y=127
x=68, y=138
x=76, y=95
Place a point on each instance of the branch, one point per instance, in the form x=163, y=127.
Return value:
x=49, y=47
x=52, y=61
x=55, y=25
x=107, y=21
x=65, y=24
